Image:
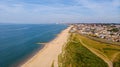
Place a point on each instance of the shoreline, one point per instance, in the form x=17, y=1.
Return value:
x=27, y=58
x=49, y=50
x=24, y=60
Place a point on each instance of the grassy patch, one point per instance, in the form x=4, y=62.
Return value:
x=111, y=49
x=116, y=62
x=76, y=55
x=106, y=49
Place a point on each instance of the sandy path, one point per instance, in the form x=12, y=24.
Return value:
x=46, y=56
x=102, y=56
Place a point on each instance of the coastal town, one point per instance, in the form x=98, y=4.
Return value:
x=109, y=32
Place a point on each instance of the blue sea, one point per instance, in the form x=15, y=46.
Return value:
x=19, y=41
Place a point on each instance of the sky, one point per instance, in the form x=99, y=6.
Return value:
x=59, y=11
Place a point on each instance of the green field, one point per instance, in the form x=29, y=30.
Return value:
x=74, y=54
x=116, y=62
x=107, y=50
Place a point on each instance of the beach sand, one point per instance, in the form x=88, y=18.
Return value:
x=49, y=54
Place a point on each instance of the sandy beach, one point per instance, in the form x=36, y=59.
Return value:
x=49, y=54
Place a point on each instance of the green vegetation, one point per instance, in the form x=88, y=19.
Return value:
x=114, y=30
x=74, y=54
x=116, y=62
x=103, y=48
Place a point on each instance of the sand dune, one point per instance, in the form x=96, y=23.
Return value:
x=46, y=56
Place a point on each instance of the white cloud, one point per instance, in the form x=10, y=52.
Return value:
x=104, y=8
x=84, y=10
x=116, y=3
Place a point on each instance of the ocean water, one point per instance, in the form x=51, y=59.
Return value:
x=19, y=41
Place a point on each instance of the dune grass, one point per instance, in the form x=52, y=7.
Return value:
x=74, y=54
